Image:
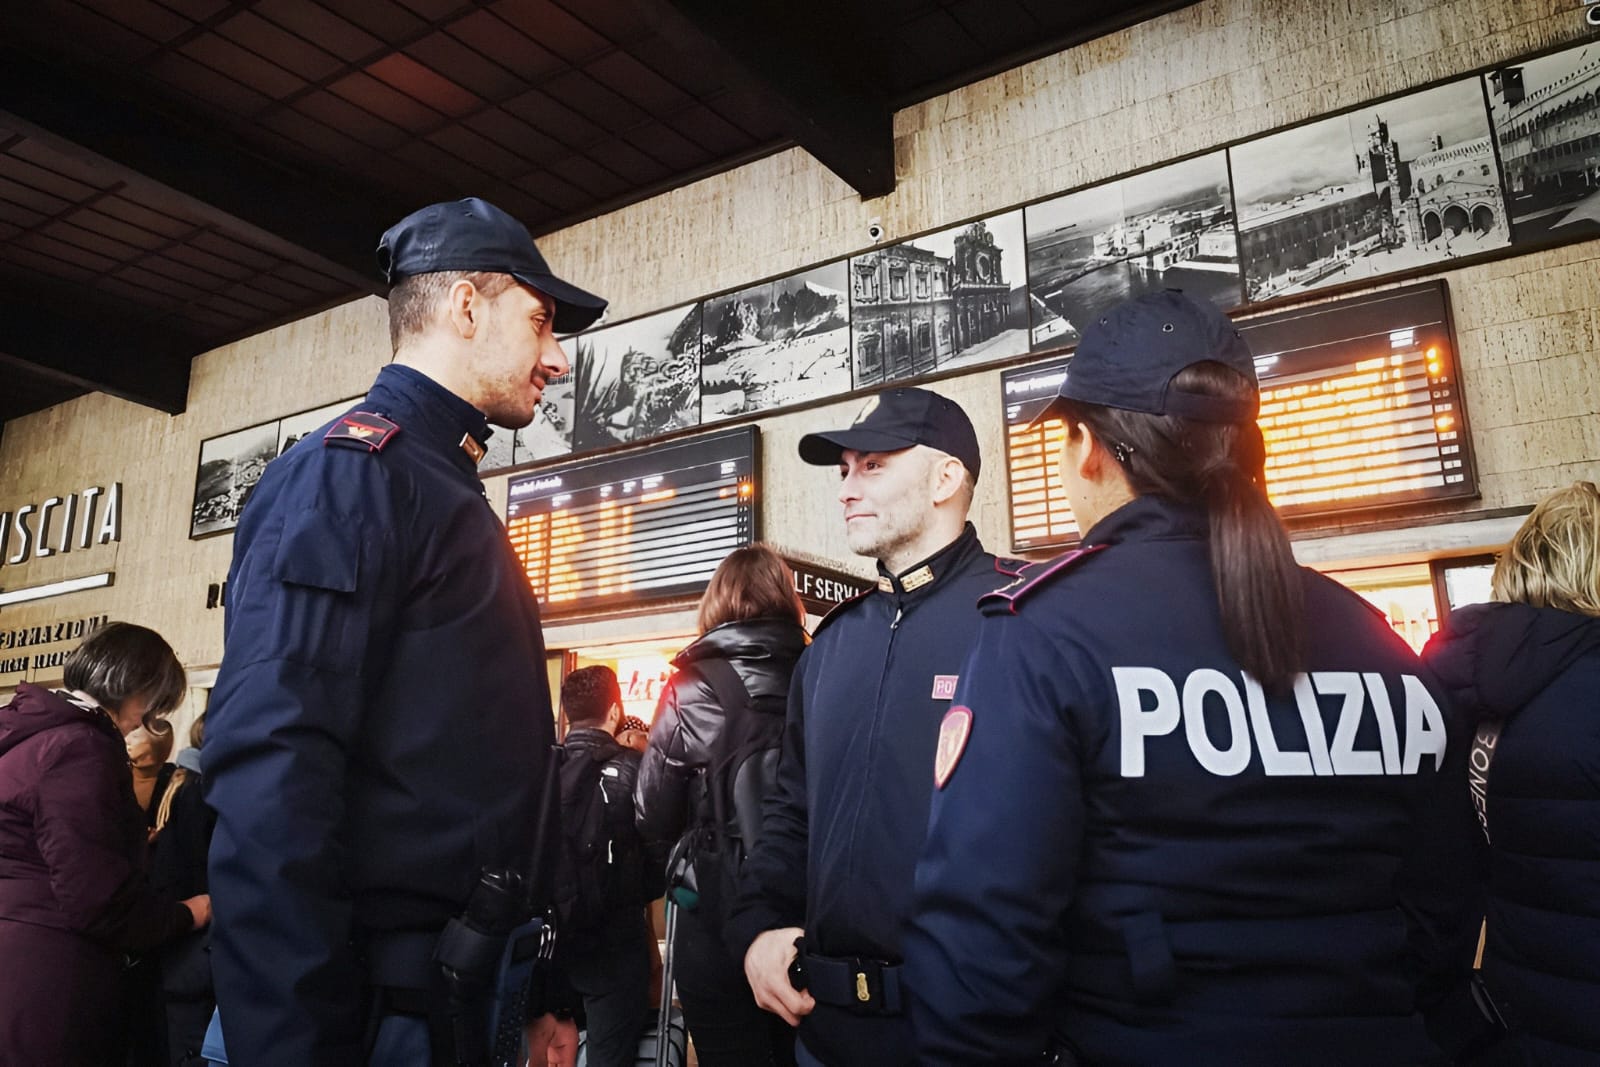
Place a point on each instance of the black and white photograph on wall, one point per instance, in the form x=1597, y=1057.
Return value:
x=779, y=343
x=230, y=466
x=1385, y=188
x=500, y=452
x=1546, y=115
x=550, y=433
x=1169, y=228
x=955, y=298
x=292, y=428
x=638, y=379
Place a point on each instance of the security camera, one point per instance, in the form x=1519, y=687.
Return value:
x=875, y=231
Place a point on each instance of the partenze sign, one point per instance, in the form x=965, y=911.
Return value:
x=58, y=524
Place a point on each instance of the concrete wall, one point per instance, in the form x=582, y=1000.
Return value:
x=1529, y=326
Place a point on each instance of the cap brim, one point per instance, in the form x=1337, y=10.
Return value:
x=825, y=449
x=576, y=309
x=1052, y=410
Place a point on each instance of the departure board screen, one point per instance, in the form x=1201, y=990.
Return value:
x=1360, y=408
x=640, y=526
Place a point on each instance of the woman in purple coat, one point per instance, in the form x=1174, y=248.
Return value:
x=73, y=894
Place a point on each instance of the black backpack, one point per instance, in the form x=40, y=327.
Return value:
x=742, y=771
x=602, y=864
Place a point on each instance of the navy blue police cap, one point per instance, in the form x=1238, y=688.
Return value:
x=896, y=419
x=1128, y=357
x=474, y=235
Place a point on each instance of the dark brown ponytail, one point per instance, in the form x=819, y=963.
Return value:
x=1220, y=467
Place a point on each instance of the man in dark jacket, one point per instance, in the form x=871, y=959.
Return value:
x=839, y=840
x=604, y=947
x=381, y=729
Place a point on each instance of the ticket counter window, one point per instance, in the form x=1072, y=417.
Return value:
x=1404, y=594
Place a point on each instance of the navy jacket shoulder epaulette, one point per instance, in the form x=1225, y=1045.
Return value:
x=1029, y=577
x=361, y=429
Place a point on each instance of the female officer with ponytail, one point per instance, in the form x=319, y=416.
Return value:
x=1193, y=801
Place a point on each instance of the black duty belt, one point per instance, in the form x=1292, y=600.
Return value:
x=401, y=959
x=863, y=986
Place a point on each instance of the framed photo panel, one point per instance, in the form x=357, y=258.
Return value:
x=1546, y=117
x=956, y=298
x=230, y=465
x=1384, y=188
x=779, y=343
x=638, y=379
x=1168, y=228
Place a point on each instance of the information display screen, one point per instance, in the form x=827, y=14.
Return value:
x=645, y=525
x=1360, y=408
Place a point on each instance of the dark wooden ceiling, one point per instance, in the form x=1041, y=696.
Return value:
x=176, y=174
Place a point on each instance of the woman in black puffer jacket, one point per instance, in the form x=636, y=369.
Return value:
x=752, y=621
x=1529, y=666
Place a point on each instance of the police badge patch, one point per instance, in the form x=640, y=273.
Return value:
x=953, y=734
x=361, y=429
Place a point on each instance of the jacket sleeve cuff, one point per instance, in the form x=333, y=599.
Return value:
x=183, y=920
x=752, y=919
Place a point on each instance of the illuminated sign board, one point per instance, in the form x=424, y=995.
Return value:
x=1360, y=408
x=641, y=526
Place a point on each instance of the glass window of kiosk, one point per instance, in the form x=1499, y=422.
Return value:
x=642, y=671
x=1416, y=597
x=1459, y=582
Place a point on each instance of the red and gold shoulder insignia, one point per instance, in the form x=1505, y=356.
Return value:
x=361, y=429
x=1031, y=576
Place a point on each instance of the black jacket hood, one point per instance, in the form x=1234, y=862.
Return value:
x=1495, y=658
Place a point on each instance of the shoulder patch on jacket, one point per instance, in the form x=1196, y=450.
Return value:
x=840, y=608
x=1031, y=576
x=361, y=429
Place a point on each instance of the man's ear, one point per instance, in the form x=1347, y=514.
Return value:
x=949, y=474
x=463, y=305
x=614, y=718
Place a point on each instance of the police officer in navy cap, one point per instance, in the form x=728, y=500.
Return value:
x=381, y=726
x=1193, y=803
x=827, y=886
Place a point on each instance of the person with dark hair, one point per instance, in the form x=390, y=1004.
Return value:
x=73, y=893
x=1191, y=803
x=380, y=734
x=827, y=886
x=604, y=948
x=1526, y=670
x=732, y=681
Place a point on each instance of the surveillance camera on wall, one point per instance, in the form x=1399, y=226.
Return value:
x=875, y=231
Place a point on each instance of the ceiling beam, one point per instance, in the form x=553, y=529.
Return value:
x=198, y=171
x=102, y=352
x=814, y=64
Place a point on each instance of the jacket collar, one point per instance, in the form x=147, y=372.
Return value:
x=429, y=412
x=590, y=737
x=931, y=571
x=747, y=639
x=1149, y=518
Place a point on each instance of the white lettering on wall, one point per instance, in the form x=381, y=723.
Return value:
x=26, y=531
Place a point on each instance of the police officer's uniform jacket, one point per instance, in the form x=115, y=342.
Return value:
x=1136, y=849
x=381, y=722
x=840, y=837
